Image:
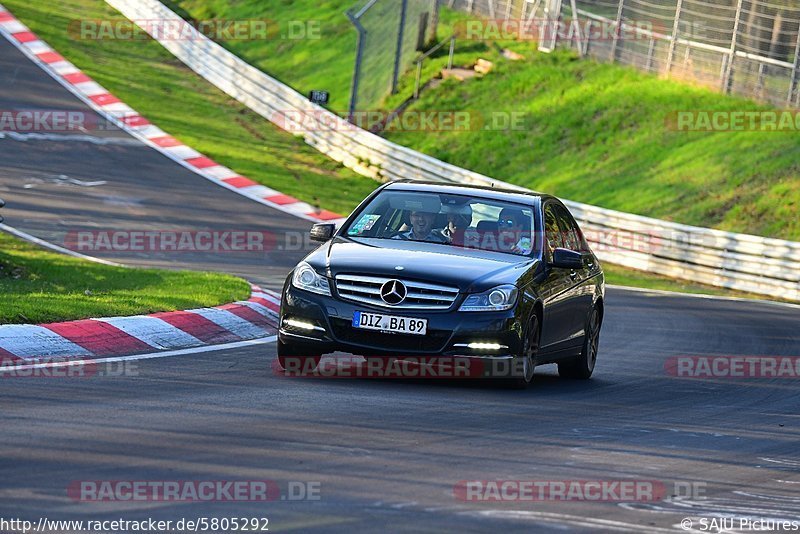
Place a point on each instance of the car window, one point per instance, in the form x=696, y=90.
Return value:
x=568, y=232
x=457, y=220
x=573, y=237
x=553, y=235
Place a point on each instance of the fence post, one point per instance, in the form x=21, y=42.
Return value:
x=726, y=80
x=793, y=84
x=650, y=51
x=434, y=30
x=530, y=16
x=577, y=26
x=617, y=28
x=452, y=52
x=509, y=5
x=760, y=84
x=674, y=37
x=470, y=5
x=362, y=35
x=399, y=52
x=418, y=80
x=552, y=14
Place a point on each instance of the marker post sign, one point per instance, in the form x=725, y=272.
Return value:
x=319, y=97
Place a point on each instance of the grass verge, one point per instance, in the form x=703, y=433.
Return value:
x=38, y=286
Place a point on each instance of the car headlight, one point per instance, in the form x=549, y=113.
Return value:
x=498, y=298
x=307, y=279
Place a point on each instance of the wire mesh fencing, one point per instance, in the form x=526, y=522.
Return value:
x=390, y=32
x=747, y=47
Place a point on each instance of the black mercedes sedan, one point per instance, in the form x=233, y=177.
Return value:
x=501, y=278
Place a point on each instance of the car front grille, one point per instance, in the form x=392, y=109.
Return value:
x=421, y=295
x=434, y=341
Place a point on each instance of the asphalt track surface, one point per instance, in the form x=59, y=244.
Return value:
x=49, y=187
x=385, y=453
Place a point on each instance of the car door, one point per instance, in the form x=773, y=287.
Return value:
x=581, y=290
x=557, y=287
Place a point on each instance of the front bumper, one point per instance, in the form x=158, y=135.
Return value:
x=449, y=332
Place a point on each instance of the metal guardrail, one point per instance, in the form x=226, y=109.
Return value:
x=749, y=263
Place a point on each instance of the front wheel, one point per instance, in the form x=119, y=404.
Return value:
x=582, y=366
x=295, y=360
x=524, y=363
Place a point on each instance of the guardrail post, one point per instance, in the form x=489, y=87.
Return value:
x=674, y=37
x=399, y=52
x=617, y=28
x=726, y=80
x=793, y=84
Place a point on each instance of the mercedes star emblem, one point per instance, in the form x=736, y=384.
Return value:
x=393, y=292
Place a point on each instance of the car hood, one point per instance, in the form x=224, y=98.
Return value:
x=468, y=269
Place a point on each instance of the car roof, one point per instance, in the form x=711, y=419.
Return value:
x=495, y=193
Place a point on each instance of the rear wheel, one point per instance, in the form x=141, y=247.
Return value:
x=582, y=366
x=524, y=363
x=295, y=360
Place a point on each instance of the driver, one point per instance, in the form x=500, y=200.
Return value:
x=422, y=228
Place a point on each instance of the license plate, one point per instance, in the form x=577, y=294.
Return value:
x=390, y=323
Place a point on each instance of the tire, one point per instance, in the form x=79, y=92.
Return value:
x=530, y=349
x=582, y=366
x=297, y=360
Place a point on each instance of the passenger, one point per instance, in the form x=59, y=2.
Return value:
x=457, y=223
x=511, y=238
x=422, y=228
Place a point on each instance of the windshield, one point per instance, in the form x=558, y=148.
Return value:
x=455, y=220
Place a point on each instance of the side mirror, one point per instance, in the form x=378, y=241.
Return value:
x=322, y=232
x=567, y=259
